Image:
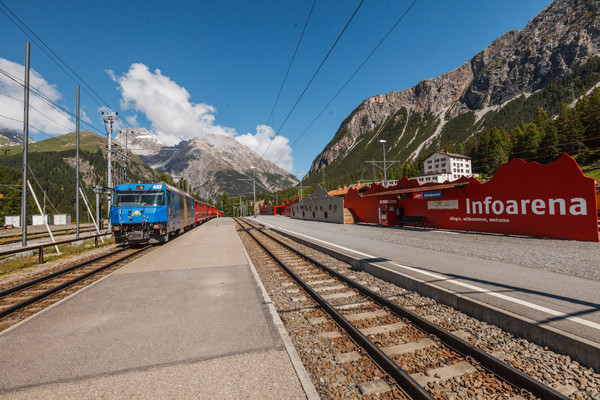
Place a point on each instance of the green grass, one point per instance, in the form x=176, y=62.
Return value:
x=88, y=141
x=12, y=265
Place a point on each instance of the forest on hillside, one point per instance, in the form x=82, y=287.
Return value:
x=52, y=175
x=575, y=130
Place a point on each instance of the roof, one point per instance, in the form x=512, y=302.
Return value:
x=344, y=191
x=448, y=154
x=419, y=189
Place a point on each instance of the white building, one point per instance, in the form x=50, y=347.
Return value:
x=442, y=166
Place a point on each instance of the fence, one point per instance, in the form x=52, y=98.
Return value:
x=40, y=247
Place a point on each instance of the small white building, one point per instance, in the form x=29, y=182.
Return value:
x=62, y=219
x=437, y=178
x=14, y=220
x=442, y=166
x=39, y=219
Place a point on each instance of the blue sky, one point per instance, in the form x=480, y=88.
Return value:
x=221, y=63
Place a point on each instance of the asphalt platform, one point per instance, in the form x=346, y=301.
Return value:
x=188, y=320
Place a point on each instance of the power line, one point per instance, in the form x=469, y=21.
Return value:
x=32, y=107
x=51, y=103
x=354, y=74
x=288, y=70
x=55, y=55
x=291, y=61
x=18, y=120
x=313, y=77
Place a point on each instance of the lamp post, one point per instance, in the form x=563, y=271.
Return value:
x=301, y=193
x=382, y=141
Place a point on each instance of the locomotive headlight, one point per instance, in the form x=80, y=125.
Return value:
x=157, y=226
x=116, y=228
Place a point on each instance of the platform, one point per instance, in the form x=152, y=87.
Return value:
x=188, y=320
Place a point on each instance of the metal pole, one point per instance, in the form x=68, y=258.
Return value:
x=98, y=215
x=254, y=190
x=77, y=188
x=109, y=119
x=125, y=174
x=43, y=216
x=90, y=212
x=25, y=148
x=384, y=168
x=110, y=153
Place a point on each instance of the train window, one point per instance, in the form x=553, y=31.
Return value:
x=152, y=199
x=133, y=198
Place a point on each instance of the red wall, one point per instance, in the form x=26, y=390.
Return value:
x=523, y=198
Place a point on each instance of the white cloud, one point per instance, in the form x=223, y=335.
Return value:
x=167, y=105
x=174, y=117
x=278, y=150
x=41, y=114
x=132, y=120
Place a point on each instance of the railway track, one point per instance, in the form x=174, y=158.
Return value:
x=61, y=232
x=19, y=301
x=391, y=351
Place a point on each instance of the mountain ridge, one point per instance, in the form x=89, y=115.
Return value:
x=560, y=39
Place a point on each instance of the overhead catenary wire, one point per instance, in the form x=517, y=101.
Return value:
x=50, y=102
x=32, y=126
x=33, y=108
x=288, y=71
x=102, y=102
x=313, y=77
x=43, y=44
x=291, y=61
x=353, y=74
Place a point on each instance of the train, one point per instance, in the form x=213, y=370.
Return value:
x=153, y=212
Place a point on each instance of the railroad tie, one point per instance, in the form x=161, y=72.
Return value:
x=444, y=373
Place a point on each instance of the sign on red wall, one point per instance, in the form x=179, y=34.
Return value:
x=523, y=198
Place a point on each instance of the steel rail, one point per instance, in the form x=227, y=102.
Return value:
x=405, y=381
x=498, y=367
x=35, y=281
x=59, y=232
x=64, y=285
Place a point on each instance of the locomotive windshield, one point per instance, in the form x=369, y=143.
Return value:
x=138, y=198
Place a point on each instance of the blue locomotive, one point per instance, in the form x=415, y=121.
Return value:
x=152, y=212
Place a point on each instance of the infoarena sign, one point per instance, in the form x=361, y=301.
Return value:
x=577, y=206
x=524, y=198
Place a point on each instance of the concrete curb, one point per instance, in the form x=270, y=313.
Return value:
x=303, y=377
x=580, y=349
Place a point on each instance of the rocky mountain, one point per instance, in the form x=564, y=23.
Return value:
x=450, y=108
x=11, y=137
x=139, y=141
x=217, y=164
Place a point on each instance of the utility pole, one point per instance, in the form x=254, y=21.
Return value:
x=98, y=191
x=126, y=156
x=385, y=166
x=109, y=119
x=382, y=141
x=254, y=188
x=25, y=149
x=77, y=158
